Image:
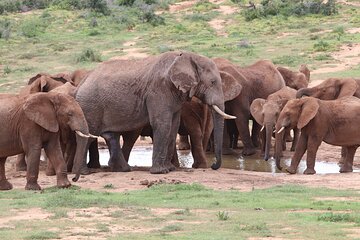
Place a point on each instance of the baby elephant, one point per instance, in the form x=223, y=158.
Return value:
x=336, y=122
x=28, y=124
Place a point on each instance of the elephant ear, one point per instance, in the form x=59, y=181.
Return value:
x=39, y=85
x=309, y=109
x=39, y=109
x=231, y=88
x=256, y=109
x=62, y=77
x=183, y=73
x=348, y=88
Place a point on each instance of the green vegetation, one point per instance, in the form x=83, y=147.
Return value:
x=182, y=211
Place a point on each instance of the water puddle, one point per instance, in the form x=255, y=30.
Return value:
x=141, y=157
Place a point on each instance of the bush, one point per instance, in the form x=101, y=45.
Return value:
x=147, y=13
x=5, y=29
x=321, y=46
x=32, y=27
x=89, y=55
x=290, y=7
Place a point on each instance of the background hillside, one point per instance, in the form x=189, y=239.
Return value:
x=62, y=35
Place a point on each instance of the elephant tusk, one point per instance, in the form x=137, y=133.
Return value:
x=262, y=128
x=226, y=116
x=281, y=129
x=81, y=134
x=93, y=136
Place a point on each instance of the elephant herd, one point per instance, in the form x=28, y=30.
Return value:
x=171, y=93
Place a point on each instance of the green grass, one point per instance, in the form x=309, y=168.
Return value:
x=185, y=211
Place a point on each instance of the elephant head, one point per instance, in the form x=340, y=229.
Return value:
x=266, y=113
x=330, y=89
x=196, y=75
x=297, y=113
x=296, y=80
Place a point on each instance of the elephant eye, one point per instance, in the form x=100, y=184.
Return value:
x=213, y=82
x=69, y=114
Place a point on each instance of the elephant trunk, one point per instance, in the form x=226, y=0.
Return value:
x=218, y=138
x=269, y=131
x=302, y=92
x=80, y=157
x=279, y=138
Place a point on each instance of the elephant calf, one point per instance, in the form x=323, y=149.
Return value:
x=28, y=124
x=335, y=122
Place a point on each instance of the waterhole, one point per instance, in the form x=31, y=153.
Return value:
x=141, y=157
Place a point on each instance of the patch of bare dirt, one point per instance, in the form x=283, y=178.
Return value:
x=349, y=3
x=181, y=6
x=353, y=30
x=354, y=233
x=287, y=34
x=347, y=57
x=341, y=199
x=24, y=214
x=132, y=52
x=219, y=24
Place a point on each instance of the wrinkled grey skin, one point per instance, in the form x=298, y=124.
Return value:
x=266, y=113
x=124, y=95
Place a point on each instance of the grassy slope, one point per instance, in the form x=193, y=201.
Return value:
x=188, y=212
x=64, y=34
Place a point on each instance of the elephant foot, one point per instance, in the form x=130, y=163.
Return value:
x=5, y=185
x=32, y=186
x=345, y=169
x=158, y=170
x=171, y=167
x=228, y=151
x=184, y=146
x=291, y=170
x=50, y=172
x=249, y=151
x=341, y=161
x=63, y=183
x=94, y=164
x=200, y=165
x=309, y=171
x=125, y=168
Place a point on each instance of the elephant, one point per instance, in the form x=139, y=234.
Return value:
x=43, y=82
x=258, y=80
x=266, y=113
x=31, y=123
x=332, y=88
x=336, y=122
x=296, y=80
x=124, y=95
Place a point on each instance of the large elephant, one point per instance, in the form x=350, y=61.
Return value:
x=266, y=113
x=125, y=95
x=257, y=81
x=335, y=122
x=30, y=123
x=296, y=80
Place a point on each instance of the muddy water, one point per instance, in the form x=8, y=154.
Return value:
x=141, y=156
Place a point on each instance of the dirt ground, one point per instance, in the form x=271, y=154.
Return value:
x=223, y=178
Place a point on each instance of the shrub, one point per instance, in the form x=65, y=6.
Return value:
x=147, y=13
x=290, y=7
x=32, y=27
x=5, y=29
x=223, y=215
x=89, y=55
x=321, y=46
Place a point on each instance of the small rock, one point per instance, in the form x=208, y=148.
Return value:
x=144, y=182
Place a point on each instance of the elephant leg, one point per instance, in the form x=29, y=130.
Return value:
x=183, y=142
x=54, y=153
x=70, y=153
x=171, y=152
x=4, y=183
x=197, y=149
x=20, y=162
x=226, y=140
x=312, y=147
x=343, y=155
x=117, y=161
x=255, y=132
x=348, y=164
x=299, y=153
x=32, y=172
x=295, y=139
x=242, y=124
x=94, y=160
x=161, y=140
x=50, y=170
x=129, y=141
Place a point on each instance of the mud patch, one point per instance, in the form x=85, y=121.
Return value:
x=23, y=215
